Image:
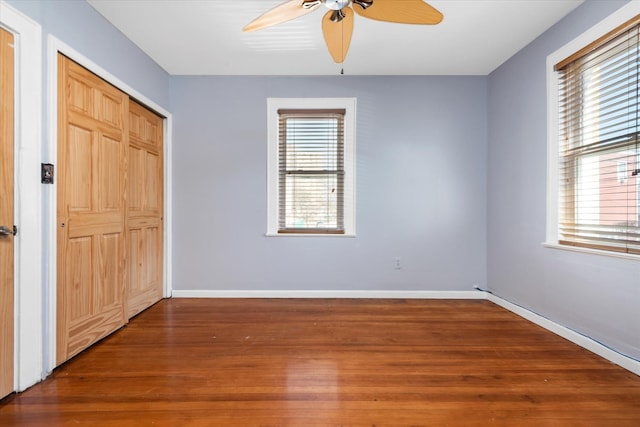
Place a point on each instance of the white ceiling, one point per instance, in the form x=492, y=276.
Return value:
x=204, y=37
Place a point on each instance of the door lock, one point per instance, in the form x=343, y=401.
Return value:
x=6, y=231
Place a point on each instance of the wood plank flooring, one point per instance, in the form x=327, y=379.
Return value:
x=209, y=362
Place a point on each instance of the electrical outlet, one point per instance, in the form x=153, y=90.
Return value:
x=398, y=263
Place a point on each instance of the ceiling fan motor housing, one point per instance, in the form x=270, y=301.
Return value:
x=337, y=4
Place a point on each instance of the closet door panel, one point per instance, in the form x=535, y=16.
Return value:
x=91, y=217
x=145, y=210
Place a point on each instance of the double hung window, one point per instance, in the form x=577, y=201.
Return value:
x=598, y=161
x=311, y=173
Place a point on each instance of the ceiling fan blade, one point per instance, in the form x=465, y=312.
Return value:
x=400, y=11
x=284, y=12
x=337, y=35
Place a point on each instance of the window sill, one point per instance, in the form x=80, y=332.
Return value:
x=591, y=251
x=271, y=234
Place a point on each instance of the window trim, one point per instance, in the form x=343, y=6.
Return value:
x=583, y=41
x=275, y=104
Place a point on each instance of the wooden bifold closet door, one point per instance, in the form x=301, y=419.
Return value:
x=95, y=180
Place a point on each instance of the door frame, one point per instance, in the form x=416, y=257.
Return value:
x=54, y=47
x=28, y=283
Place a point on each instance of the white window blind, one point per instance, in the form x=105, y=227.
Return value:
x=311, y=171
x=599, y=150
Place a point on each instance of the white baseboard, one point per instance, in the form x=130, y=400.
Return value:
x=569, y=334
x=330, y=294
x=575, y=337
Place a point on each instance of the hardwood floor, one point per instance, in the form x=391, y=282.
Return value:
x=208, y=362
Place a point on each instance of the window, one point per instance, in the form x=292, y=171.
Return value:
x=598, y=149
x=311, y=166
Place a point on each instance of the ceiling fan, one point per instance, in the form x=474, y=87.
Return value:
x=337, y=23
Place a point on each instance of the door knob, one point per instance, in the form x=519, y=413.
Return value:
x=6, y=231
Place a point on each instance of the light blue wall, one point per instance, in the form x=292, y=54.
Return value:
x=595, y=295
x=80, y=26
x=420, y=186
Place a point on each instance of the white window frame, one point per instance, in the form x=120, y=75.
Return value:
x=349, y=105
x=610, y=23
